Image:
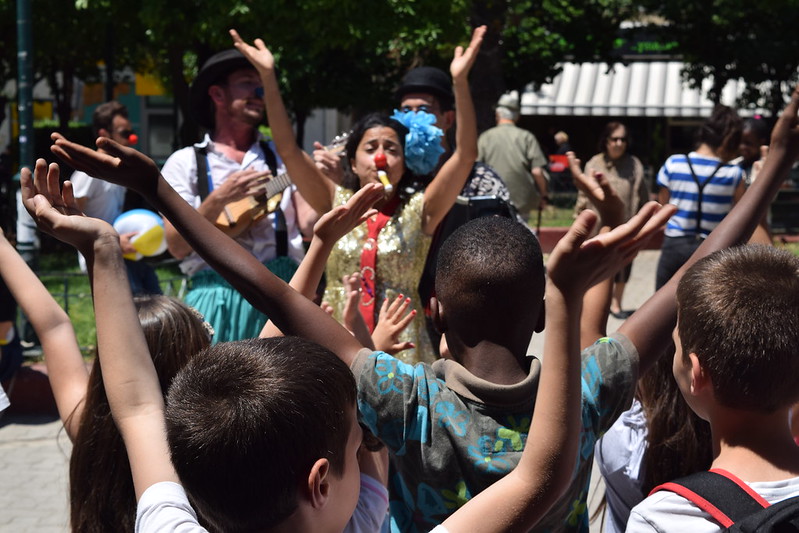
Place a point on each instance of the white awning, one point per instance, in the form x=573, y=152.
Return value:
x=653, y=89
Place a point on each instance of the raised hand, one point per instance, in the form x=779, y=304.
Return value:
x=351, y=315
x=464, y=59
x=259, y=55
x=342, y=219
x=120, y=164
x=392, y=321
x=757, y=166
x=329, y=163
x=785, y=134
x=56, y=212
x=576, y=264
x=598, y=190
x=241, y=184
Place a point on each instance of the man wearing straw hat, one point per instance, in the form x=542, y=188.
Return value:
x=232, y=162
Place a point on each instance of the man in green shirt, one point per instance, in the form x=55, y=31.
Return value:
x=516, y=156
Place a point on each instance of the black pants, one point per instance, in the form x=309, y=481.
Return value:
x=673, y=254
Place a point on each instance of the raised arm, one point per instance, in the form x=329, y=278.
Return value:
x=292, y=313
x=313, y=185
x=520, y=499
x=447, y=184
x=131, y=384
x=327, y=231
x=650, y=327
x=596, y=187
x=65, y=367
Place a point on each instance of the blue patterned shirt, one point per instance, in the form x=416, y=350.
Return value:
x=450, y=434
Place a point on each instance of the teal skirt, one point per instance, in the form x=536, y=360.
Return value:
x=222, y=306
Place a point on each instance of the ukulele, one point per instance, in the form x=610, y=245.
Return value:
x=237, y=217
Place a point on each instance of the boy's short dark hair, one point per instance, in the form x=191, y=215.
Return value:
x=247, y=420
x=739, y=312
x=490, y=277
x=103, y=116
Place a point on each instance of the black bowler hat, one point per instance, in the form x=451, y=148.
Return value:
x=217, y=67
x=429, y=80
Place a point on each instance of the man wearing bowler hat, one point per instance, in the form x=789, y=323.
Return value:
x=231, y=163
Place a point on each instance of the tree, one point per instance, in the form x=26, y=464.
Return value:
x=331, y=53
x=725, y=40
x=528, y=40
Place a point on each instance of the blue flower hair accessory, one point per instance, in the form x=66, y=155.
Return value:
x=423, y=141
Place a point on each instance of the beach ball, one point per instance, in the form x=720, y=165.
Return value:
x=149, y=228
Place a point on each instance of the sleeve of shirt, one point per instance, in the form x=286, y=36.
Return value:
x=639, y=524
x=393, y=398
x=4, y=403
x=640, y=179
x=165, y=507
x=481, y=151
x=609, y=375
x=81, y=184
x=180, y=171
x=372, y=508
x=535, y=154
x=663, y=174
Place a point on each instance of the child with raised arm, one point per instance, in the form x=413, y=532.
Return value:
x=489, y=367
x=269, y=294
x=100, y=488
x=293, y=313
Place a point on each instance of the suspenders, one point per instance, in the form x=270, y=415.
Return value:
x=701, y=188
x=205, y=185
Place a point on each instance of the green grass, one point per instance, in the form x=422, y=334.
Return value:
x=69, y=287
x=793, y=247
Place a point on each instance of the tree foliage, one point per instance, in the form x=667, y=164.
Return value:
x=528, y=40
x=725, y=40
x=349, y=55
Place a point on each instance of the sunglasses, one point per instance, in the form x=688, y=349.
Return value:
x=424, y=108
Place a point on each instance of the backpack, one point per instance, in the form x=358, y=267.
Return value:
x=733, y=504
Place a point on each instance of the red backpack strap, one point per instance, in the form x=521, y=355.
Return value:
x=743, y=486
x=697, y=500
x=719, y=493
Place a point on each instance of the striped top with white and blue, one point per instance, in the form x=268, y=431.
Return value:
x=717, y=195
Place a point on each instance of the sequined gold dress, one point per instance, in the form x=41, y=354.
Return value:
x=401, y=252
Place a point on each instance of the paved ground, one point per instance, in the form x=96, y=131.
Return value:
x=34, y=451
x=34, y=461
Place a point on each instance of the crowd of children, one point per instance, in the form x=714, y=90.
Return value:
x=284, y=433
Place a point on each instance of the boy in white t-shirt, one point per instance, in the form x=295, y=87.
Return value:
x=737, y=365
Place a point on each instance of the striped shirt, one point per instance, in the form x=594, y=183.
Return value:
x=717, y=195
